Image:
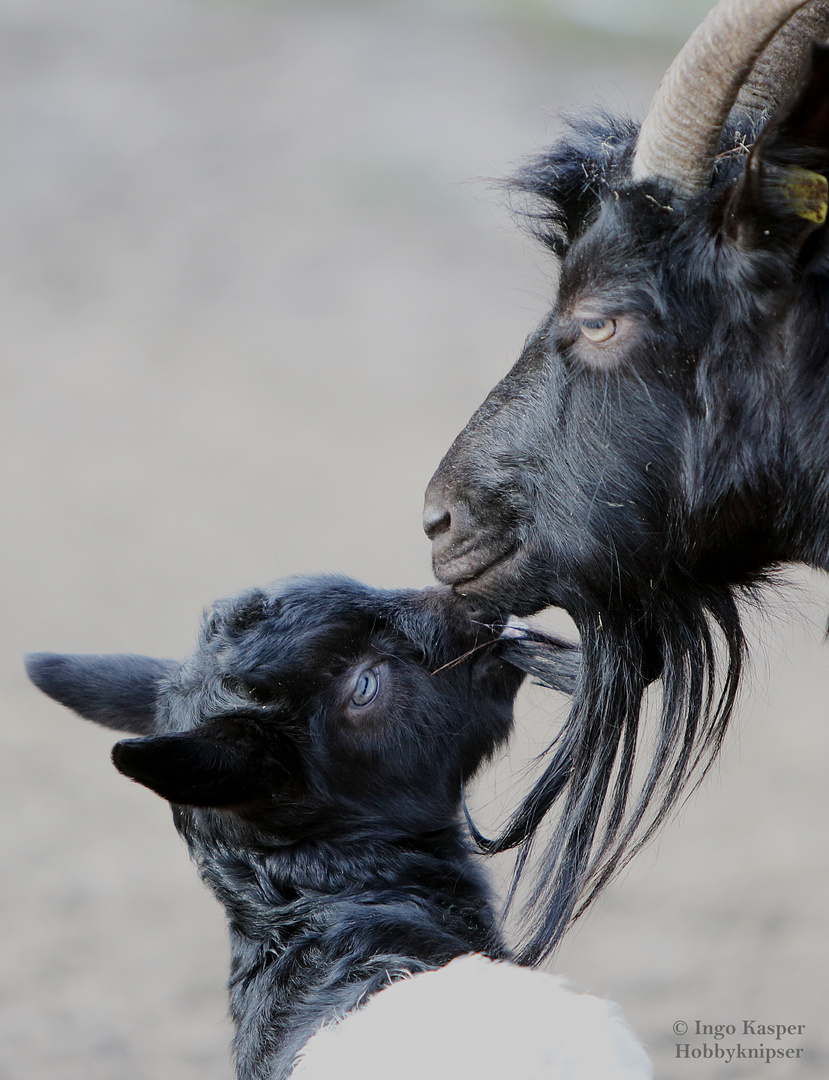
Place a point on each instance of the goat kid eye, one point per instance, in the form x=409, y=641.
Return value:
x=597, y=330
x=366, y=687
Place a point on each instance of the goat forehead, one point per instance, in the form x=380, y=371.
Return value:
x=628, y=231
x=301, y=622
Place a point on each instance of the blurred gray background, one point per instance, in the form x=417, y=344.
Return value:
x=255, y=279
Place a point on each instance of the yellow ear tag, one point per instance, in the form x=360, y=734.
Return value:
x=806, y=192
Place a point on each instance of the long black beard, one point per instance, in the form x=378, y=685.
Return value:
x=695, y=644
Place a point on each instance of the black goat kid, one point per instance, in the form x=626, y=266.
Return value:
x=662, y=443
x=315, y=745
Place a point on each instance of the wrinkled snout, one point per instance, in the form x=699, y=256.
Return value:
x=465, y=544
x=450, y=527
x=480, y=508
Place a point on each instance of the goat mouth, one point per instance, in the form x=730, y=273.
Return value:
x=510, y=582
x=480, y=579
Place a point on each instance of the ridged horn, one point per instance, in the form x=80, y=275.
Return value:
x=776, y=74
x=679, y=137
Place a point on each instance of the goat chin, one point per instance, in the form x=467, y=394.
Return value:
x=477, y=1019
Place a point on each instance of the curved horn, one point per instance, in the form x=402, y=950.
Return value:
x=775, y=75
x=679, y=137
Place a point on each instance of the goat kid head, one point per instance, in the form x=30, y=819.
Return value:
x=314, y=746
x=313, y=709
x=662, y=441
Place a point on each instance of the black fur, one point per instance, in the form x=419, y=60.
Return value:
x=118, y=695
x=645, y=483
x=326, y=821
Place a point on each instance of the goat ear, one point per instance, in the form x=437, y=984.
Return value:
x=783, y=194
x=119, y=691
x=194, y=768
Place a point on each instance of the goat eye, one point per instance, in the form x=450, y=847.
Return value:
x=366, y=687
x=597, y=330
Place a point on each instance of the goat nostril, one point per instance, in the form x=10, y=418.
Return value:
x=436, y=520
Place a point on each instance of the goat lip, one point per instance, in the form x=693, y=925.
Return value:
x=465, y=576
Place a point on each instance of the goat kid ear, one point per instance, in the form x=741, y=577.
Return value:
x=783, y=195
x=195, y=768
x=118, y=691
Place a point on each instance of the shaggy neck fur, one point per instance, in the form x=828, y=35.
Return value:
x=317, y=929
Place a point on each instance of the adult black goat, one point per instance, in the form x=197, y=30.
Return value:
x=662, y=442
x=314, y=746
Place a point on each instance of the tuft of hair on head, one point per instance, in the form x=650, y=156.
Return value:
x=557, y=192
